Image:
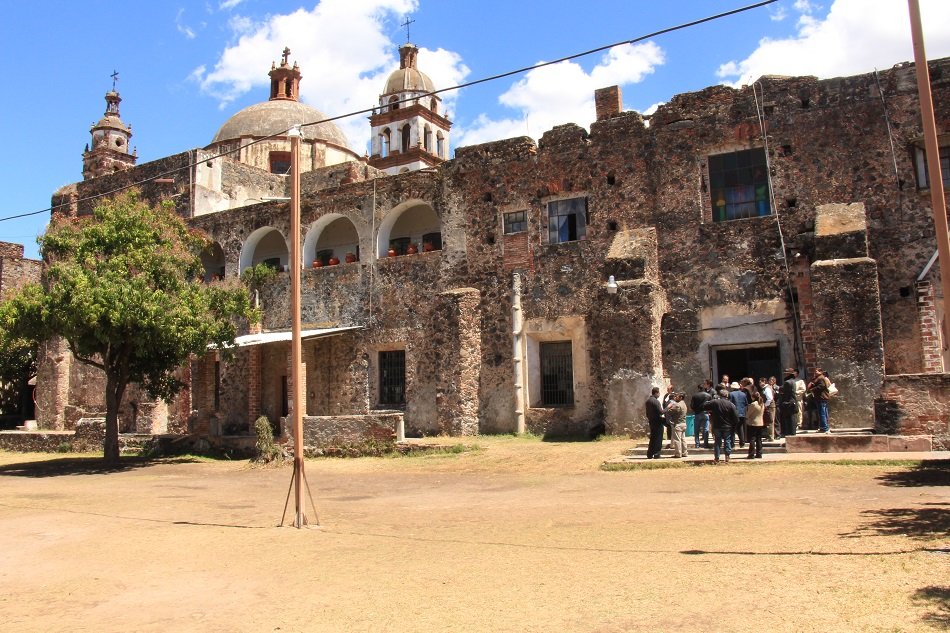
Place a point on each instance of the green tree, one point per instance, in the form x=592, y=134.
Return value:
x=124, y=289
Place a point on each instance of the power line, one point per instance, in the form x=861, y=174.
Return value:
x=468, y=84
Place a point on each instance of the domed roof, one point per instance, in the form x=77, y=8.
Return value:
x=275, y=116
x=408, y=77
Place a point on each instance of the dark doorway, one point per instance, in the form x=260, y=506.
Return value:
x=754, y=362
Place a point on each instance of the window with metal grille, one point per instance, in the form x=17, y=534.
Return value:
x=567, y=220
x=557, y=374
x=392, y=377
x=739, y=185
x=515, y=222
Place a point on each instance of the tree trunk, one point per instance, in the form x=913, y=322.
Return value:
x=114, y=391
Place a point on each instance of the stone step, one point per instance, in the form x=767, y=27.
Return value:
x=855, y=443
x=770, y=448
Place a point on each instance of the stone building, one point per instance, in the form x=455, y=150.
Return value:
x=547, y=286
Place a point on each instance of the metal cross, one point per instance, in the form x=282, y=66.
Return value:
x=286, y=55
x=406, y=24
x=115, y=77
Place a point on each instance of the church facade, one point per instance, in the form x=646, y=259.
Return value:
x=547, y=286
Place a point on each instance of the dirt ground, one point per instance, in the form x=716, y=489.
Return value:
x=520, y=535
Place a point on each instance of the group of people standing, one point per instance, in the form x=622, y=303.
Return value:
x=739, y=409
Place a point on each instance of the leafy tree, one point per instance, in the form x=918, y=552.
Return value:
x=17, y=366
x=123, y=288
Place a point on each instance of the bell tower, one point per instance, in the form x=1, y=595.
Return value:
x=409, y=128
x=109, y=151
x=284, y=80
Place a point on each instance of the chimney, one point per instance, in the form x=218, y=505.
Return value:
x=607, y=102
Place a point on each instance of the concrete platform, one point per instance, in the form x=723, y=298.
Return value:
x=846, y=443
x=740, y=457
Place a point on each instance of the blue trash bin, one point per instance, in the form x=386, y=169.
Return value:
x=690, y=424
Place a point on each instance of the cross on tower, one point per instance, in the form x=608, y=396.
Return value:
x=406, y=24
x=115, y=78
x=286, y=55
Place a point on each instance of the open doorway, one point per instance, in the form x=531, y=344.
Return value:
x=755, y=361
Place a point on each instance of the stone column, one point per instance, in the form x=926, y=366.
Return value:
x=456, y=354
x=849, y=338
x=54, y=362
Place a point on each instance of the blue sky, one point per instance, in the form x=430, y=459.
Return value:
x=185, y=67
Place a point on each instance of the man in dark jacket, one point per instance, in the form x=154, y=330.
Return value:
x=741, y=401
x=700, y=418
x=788, y=403
x=655, y=419
x=724, y=419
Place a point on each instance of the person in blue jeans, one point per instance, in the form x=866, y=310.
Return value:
x=820, y=390
x=724, y=420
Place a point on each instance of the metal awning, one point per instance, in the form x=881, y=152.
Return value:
x=277, y=337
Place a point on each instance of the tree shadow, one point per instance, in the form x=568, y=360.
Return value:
x=937, y=599
x=69, y=466
x=927, y=521
x=927, y=473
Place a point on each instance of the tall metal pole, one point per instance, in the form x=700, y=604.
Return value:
x=932, y=149
x=296, y=345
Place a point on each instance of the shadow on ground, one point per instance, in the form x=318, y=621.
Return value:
x=927, y=473
x=937, y=599
x=927, y=521
x=67, y=466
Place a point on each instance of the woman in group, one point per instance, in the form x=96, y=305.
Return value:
x=754, y=418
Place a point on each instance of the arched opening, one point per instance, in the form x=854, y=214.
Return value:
x=265, y=245
x=384, y=143
x=406, y=130
x=434, y=105
x=427, y=139
x=413, y=223
x=333, y=235
x=394, y=103
x=212, y=258
x=440, y=145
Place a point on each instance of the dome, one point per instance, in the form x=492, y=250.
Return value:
x=273, y=117
x=408, y=79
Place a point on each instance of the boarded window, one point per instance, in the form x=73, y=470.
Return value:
x=392, y=378
x=557, y=374
x=739, y=185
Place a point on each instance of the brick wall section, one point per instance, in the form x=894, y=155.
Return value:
x=607, y=102
x=915, y=404
x=456, y=352
x=800, y=271
x=846, y=300
x=929, y=328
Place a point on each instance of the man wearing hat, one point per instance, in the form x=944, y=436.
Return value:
x=788, y=403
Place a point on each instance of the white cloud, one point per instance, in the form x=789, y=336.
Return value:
x=183, y=28
x=229, y=4
x=855, y=37
x=562, y=93
x=344, y=55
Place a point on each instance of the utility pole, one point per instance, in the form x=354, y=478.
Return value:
x=932, y=149
x=296, y=345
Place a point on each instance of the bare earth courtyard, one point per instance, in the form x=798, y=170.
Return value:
x=519, y=535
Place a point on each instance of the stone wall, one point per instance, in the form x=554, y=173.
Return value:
x=915, y=404
x=356, y=434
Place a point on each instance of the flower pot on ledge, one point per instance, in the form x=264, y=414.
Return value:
x=317, y=263
x=350, y=258
x=333, y=261
x=412, y=250
x=392, y=252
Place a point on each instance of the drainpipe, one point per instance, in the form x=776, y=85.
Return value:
x=517, y=339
